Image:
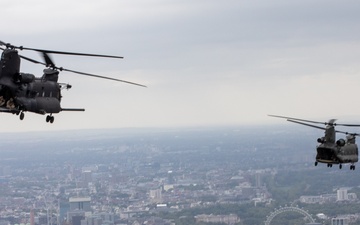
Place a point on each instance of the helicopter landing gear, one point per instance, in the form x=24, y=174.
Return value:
x=22, y=115
x=340, y=166
x=316, y=163
x=352, y=167
x=49, y=118
x=329, y=165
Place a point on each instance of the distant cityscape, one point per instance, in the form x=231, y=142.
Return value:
x=170, y=177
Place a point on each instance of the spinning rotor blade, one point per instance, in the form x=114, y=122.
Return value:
x=343, y=132
x=306, y=124
x=353, y=134
x=2, y=43
x=290, y=118
x=32, y=60
x=331, y=121
x=321, y=128
x=102, y=77
x=59, y=52
x=48, y=60
x=347, y=125
x=50, y=63
x=71, y=53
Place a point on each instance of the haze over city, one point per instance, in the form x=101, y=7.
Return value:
x=196, y=145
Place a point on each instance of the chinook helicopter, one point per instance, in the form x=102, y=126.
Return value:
x=23, y=92
x=330, y=150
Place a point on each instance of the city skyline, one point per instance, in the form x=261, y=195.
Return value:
x=172, y=176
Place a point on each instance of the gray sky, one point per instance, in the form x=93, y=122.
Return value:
x=205, y=62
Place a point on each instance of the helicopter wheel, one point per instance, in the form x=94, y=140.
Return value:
x=49, y=119
x=316, y=163
x=352, y=167
x=22, y=115
x=340, y=166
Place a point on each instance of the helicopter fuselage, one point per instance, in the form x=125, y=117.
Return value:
x=39, y=96
x=334, y=154
x=21, y=92
x=329, y=150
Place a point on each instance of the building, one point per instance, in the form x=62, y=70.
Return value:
x=64, y=208
x=227, y=219
x=75, y=217
x=79, y=207
x=342, y=194
x=311, y=199
x=82, y=204
x=156, y=195
x=340, y=221
x=258, y=182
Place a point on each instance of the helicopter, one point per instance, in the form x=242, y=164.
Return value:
x=23, y=92
x=329, y=150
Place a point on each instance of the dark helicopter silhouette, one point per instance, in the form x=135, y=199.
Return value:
x=330, y=150
x=23, y=92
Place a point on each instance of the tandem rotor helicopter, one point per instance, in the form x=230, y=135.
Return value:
x=330, y=150
x=23, y=92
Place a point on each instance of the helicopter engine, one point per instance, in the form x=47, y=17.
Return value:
x=26, y=77
x=341, y=142
x=321, y=140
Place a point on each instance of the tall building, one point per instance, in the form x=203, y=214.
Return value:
x=86, y=177
x=342, y=194
x=258, y=182
x=64, y=208
x=79, y=207
x=170, y=177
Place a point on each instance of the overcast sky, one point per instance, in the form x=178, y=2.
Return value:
x=205, y=62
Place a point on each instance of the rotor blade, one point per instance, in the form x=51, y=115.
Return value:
x=331, y=122
x=347, y=125
x=342, y=132
x=60, y=52
x=32, y=60
x=322, y=128
x=353, y=134
x=290, y=118
x=81, y=73
x=306, y=124
x=48, y=60
x=72, y=53
x=102, y=77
